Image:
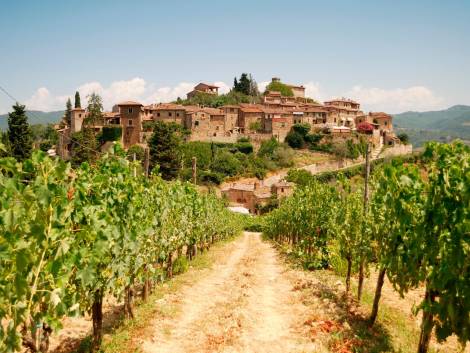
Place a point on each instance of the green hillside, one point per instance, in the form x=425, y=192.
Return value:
x=35, y=117
x=442, y=125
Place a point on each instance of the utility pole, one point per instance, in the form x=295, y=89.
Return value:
x=147, y=162
x=194, y=160
x=366, y=201
x=366, y=178
x=135, y=169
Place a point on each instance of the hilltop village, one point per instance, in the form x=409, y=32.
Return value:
x=272, y=117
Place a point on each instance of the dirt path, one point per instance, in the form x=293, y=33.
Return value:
x=245, y=304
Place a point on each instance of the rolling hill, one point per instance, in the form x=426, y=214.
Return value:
x=35, y=117
x=442, y=125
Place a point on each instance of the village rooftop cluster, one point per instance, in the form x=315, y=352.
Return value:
x=274, y=117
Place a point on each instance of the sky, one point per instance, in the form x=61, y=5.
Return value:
x=391, y=56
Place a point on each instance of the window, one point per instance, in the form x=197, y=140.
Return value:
x=158, y=114
x=169, y=113
x=177, y=114
x=385, y=123
x=129, y=122
x=80, y=115
x=130, y=110
x=196, y=123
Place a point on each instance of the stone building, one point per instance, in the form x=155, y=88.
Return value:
x=203, y=88
x=343, y=112
x=131, y=116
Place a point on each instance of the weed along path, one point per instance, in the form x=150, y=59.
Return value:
x=246, y=303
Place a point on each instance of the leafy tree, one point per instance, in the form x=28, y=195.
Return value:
x=302, y=129
x=404, y=138
x=165, y=148
x=94, y=109
x=19, y=133
x=295, y=140
x=68, y=112
x=78, y=104
x=136, y=150
x=268, y=147
x=277, y=86
x=246, y=85
x=84, y=147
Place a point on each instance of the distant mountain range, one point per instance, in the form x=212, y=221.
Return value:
x=35, y=117
x=442, y=125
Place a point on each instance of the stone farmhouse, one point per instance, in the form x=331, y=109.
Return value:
x=274, y=117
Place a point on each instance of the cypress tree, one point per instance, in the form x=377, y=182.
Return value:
x=68, y=112
x=19, y=133
x=78, y=104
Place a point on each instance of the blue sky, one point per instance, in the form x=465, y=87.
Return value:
x=390, y=55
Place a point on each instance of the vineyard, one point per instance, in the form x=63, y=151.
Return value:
x=415, y=229
x=70, y=238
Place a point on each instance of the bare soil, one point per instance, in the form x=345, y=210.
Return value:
x=247, y=303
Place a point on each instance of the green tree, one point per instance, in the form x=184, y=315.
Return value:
x=19, y=133
x=246, y=85
x=404, y=138
x=94, y=109
x=78, y=104
x=277, y=86
x=84, y=147
x=295, y=140
x=165, y=148
x=68, y=112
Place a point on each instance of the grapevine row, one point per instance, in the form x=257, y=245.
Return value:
x=415, y=230
x=69, y=238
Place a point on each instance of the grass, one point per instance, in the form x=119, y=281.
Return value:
x=394, y=331
x=306, y=157
x=125, y=336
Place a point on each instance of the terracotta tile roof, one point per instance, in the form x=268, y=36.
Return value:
x=273, y=93
x=345, y=100
x=169, y=106
x=213, y=111
x=130, y=103
x=230, y=106
x=251, y=108
x=205, y=85
x=380, y=115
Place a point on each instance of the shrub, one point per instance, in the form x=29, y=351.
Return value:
x=302, y=129
x=279, y=87
x=268, y=147
x=294, y=139
x=181, y=265
x=110, y=133
x=138, y=151
x=284, y=156
x=226, y=163
x=244, y=147
x=365, y=127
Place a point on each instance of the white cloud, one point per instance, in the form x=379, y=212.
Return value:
x=312, y=90
x=262, y=85
x=396, y=100
x=418, y=98
x=134, y=89
x=223, y=87
x=42, y=99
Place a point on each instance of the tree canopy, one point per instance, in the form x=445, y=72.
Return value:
x=19, y=133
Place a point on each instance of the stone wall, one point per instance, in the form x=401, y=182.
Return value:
x=397, y=150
